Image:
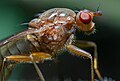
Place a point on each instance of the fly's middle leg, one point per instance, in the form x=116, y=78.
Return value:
x=42, y=56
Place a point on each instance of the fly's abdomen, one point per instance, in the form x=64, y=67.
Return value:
x=19, y=47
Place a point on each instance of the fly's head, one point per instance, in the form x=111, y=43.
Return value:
x=84, y=20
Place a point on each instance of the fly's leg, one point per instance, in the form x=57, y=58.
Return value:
x=6, y=70
x=38, y=71
x=36, y=57
x=3, y=70
x=13, y=58
x=86, y=44
x=42, y=56
x=79, y=52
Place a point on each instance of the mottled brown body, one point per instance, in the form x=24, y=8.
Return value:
x=57, y=25
x=52, y=31
x=48, y=33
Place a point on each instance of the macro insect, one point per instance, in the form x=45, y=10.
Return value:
x=46, y=35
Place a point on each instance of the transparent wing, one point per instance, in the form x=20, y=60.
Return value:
x=17, y=37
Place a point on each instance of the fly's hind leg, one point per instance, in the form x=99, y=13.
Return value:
x=12, y=58
x=6, y=69
x=3, y=70
x=79, y=52
x=33, y=58
x=86, y=44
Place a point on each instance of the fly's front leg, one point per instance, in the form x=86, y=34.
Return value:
x=79, y=52
x=86, y=44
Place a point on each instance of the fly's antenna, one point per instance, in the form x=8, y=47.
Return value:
x=98, y=8
x=98, y=12
x=100, y=3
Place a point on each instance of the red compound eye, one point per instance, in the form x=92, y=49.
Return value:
x=85, y=17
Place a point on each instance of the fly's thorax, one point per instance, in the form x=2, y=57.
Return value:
x=51, y=13
x=54, y=16
x=55, y=26
x=53, y=38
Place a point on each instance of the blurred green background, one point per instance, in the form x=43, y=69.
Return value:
x=107, y=36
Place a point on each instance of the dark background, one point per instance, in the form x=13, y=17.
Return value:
x=107, y=36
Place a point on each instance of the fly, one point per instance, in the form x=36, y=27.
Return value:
x=46, y=35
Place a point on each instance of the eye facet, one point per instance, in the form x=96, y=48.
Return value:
x=85, y=17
